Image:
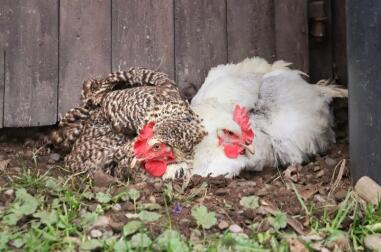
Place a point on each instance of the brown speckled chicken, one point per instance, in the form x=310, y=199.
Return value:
x=135, y=114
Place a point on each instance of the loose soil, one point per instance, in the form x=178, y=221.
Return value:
x=313, y=181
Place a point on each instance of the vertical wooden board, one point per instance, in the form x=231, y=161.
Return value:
x=250, y=26
x=340, y=41
x=85, y=47
x=2, y=83
x=142, y=34
x=321, y=50
x=291, y=32
x=200, y=41
x=31, y=71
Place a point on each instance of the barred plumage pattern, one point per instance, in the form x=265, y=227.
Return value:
x=100, y=133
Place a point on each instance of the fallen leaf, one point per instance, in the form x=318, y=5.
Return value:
x=4, y=164
x=292, y=173
x=296, y=245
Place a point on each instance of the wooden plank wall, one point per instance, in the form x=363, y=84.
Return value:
x=31, y=63
x=50, y=47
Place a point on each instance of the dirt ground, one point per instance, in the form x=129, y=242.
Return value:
x=314, y=182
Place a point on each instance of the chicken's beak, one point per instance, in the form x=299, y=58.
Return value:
x=134, y=162
x=250, y=148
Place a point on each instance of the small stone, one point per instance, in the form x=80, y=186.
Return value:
x=234, y=228
x=221, y=191
x=316, y=168
x=152, y=199
x=223, y=225
x=320, y=174
x=340, y=195
x=117, y=207
x=184, y=222
x=248, y=183
x=330, y=161
x=9, y=192
x=373, y=242
x=95, y=233
x=55, y=157
x=158, y=186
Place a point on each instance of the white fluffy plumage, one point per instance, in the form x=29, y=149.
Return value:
x=291, y=118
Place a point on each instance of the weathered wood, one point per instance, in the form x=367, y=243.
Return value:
x=250, y=27
x=321, y=50
x=291, y=32
x=2, y=84
x=200, y=39
x=368, y=190
x=143, y=34
x=31, y=63
x=340, y=41
x=85, y=47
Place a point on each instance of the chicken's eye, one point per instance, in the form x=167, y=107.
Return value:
x=228, y=132
x=156, y=147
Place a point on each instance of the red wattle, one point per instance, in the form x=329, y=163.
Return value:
x=232, y=151
x=155, y=168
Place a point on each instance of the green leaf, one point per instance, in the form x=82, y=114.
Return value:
x=147, y=216
x=170, y=240
x=250, y=202
x=121, y=246
x=53, y=184
x=88, y=195
x=133, y=194
x=47, y=218
x=18, y=243
x=131, y=227
x=91, y=244
x=140, y=240
x=279, y=221
x=12, y=218
x=88, y=219
x=103, y=198
x=29, y=203
x=204, y=218
x=4, y=239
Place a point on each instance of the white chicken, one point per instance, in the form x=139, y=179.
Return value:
x=290, y=118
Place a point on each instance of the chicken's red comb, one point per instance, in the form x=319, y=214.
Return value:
x=147, y=131
x=241, y=117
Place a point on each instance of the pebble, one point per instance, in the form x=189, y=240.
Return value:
x=9, y=192
x=320, y=174
x=117, y=207
x=316, y=168
x=234, y=228
x=248, y=183
x=330, y=161
x=223, y=225
x=184, y=221
x=340, y=195
x=158, y=186
x=221, y=191
x=373, y=242
x=55, y=157
x=95, y=233
x=152, y=199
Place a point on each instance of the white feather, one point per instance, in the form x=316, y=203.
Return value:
x=290, y=117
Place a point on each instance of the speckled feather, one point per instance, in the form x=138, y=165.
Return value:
x=100, y=133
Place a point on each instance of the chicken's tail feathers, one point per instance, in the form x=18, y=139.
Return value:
x=329, y=88
x=69, y=129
